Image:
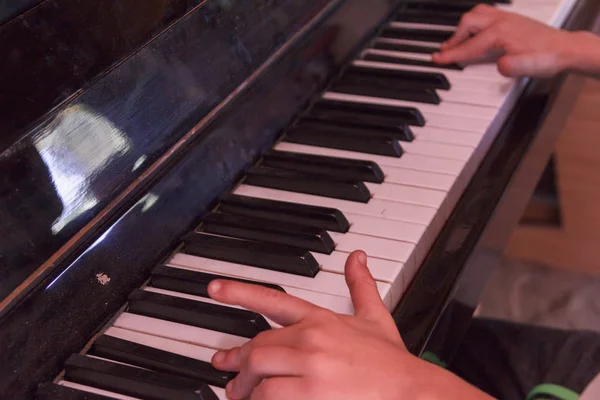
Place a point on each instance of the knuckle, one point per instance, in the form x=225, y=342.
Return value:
x=311, y=337
x=245, y=350
x=255, y=360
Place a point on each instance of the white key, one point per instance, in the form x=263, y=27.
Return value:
x=409, y=177
x=408, y=42
x=410, y=255
x=89, y=389
x=172, y=346
x=468, y=110
x=385, y=228
x=386, y=249
x=539, y=12
x=180, y=332
x=468, y=96
x=376, y=208
x=391, y=272
x=425, y=148
x=406, y=194
x=338, y=304
x=447, y=136
x=323, y=282
x=220, y=392
x=399, y=54
x=430, y=27
x=457, y=122
x=409, y=161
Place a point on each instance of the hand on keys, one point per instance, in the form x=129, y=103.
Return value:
x=520, y=45
x=320, y=355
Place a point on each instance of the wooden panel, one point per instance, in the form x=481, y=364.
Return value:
x=576, y=245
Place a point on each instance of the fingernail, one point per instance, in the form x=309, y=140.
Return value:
x=219, y=357
x=214, y=287
x=362, y=258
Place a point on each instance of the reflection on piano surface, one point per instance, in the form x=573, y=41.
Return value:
x=261, y=141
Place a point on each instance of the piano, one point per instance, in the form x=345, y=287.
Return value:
x=150, y=147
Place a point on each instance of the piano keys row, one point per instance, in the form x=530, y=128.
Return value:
x=376, y=163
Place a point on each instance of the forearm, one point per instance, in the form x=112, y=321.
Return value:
x=584, y=54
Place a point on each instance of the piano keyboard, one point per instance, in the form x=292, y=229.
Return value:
x=376, y=163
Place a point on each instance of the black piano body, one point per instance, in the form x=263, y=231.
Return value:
x=122, y=124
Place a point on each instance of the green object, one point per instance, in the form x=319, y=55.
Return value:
x=434, y=359
x=556, y=391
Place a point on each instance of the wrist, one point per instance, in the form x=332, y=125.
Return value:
x=582, y=52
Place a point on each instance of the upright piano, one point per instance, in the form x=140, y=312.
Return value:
x=147, y=148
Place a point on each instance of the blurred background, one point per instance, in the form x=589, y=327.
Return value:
x=551, y=271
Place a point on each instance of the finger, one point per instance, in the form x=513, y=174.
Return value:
x=234, y=359
x=278, y=306
x=289, y=388
x=265, y=362
x=538, y=65
x=470, y=24
x=363, y=288
x=471, y=50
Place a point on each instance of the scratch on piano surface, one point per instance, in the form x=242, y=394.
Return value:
x=103, y=279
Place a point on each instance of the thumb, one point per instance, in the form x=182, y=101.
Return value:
x=363, y=289
x=531, y=65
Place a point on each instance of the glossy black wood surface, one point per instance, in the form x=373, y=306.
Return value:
x=60, y=46
x=60, y=174
x=69, y=304
x=12, y=8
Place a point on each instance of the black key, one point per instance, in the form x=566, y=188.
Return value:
x=158, y=360
x=301, y=182
x=443, y=6
x=352, y=130
x=379, y=146
x=409, y=61
x=193, y=282
x=135, y=382
x=402, y=78
x=261, y=230
x=451, y=18
x=320, y=217
x=51, y=391
x=428, y=96
x=196, y=313
x=262, y=255
x=424, y=35
x=363, y=113
x=333, y=167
